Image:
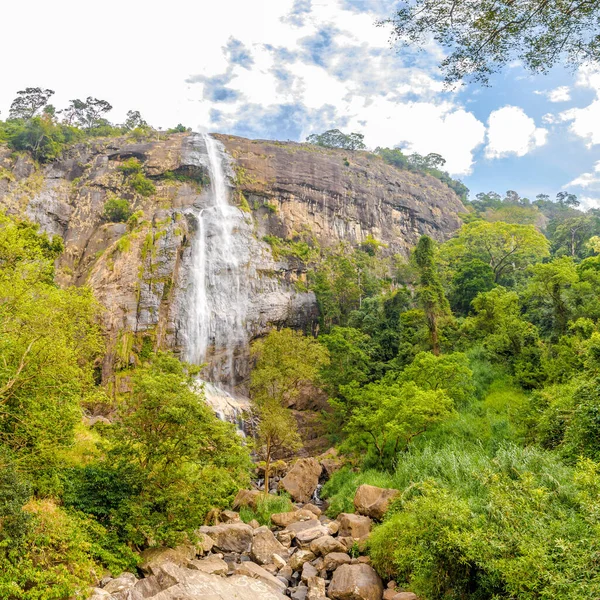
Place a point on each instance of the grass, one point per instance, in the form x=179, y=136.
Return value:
x=266, y=506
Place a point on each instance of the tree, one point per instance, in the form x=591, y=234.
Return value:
x=334, y=138
x=29, y=102
x=389, y=415
x=483, y=38
x=508, y=248
x=87, y=114
x=277, y=432
x=430, y=291
x=470, y=278
x=134, y=120
x=49, y=341
x=180, y=459
x=548, y=285
x=450, y=373
x=286, y=361
x=570, y=235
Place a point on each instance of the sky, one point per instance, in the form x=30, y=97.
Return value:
x=283, y=69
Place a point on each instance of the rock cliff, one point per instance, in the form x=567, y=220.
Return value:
x=139, y=270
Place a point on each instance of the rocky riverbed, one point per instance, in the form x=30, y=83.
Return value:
x=304, y=555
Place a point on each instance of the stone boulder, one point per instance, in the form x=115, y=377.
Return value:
x=354, y=526
x=355, y=582
x=336, y=559
x=306, y=531
x=122, y=583
x=235, y=537
x=287, y=518
x=195, y=585
x=326, y=544
x=211, y=564
x=316, y=588
x=302, y=479
x=373, y=501
x=152, y=558
x=264, y=546
x=246, y=498
x=405, y=596
x=299, y=558
x=250, y=569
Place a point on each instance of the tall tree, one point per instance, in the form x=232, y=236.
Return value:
x=506, y=247
x=484, y=37
x=430, y=291
x=29, y=102
x=87, y=114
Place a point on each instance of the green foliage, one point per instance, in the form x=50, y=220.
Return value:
x=334, y=138
x=480, y=42
x=508, y=249
x=429, y=164
x=48, y=343
x=134, y=175
x=386, y=416
x=172, y=459
x=66, y=554
x=117, y=210
x=470, y=278
x=430, y=291
x=266, y=505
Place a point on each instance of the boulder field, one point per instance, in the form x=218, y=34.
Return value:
x=304, y=555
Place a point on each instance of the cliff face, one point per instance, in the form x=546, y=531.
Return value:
x=140, y=270
x=340, y=195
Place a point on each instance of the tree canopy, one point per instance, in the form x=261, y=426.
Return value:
x=482, y=38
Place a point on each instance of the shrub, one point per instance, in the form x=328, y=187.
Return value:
x=142, y=185
x=266, y=506
x=131, y=166
x=116, y=210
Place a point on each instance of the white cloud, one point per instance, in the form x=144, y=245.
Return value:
x=559, y=94
x=328, y=64
x=511, y=131
x=585, y=122
x=586, y=180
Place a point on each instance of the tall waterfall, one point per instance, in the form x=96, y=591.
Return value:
x=218, y=294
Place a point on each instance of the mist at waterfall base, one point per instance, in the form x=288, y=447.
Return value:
x=218, y=293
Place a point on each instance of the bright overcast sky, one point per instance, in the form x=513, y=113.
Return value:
x=283, y=69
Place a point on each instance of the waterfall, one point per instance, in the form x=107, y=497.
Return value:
x=219, y=289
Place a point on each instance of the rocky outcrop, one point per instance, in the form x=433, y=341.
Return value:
x=340, y=195
x=306, y=560
x=139, y=270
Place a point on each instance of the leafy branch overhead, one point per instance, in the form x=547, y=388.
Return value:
x=482, y=37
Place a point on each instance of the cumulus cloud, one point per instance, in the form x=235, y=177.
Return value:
x=511, y=131
x=590, y=183
x=586, y=180
x=585, y=122
x=335, y=69
x=559, y=94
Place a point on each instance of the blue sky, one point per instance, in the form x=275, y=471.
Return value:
x=284, y=69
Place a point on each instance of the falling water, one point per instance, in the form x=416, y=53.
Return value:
x=219, y=281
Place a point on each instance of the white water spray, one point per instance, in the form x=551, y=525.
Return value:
x=219, y=284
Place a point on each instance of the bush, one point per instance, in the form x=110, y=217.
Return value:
x=117, y=210
x=64, y=554
x=131, y=166
x=142, y=185
x=519, y=525
x=266, y=506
